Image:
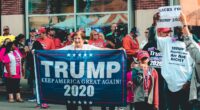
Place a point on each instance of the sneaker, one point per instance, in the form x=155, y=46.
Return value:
x=11, y=100
x=120, y=108
x=44, y=106
x=32, y=100
x=19, y=100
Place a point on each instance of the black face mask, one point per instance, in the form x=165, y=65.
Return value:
x=178, y=33
x=180, y=38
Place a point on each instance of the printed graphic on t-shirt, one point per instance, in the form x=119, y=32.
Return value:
x=155, y=57
x=178, y=56
x=18, y=60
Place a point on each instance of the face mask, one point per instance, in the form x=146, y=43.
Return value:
x=180, y=38
x=177, y=38
x=178, y=34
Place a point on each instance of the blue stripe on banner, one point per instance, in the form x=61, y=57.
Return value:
x=91, y=77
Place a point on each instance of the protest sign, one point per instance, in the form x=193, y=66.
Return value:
x=155, y=57
x=79, y=77
x=169, y=16
x=191, y=8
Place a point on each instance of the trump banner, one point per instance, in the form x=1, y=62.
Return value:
x=81, y=77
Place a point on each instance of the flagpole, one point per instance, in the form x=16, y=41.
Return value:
x=36, y=80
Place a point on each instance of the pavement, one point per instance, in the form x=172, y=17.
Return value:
x=26, y=94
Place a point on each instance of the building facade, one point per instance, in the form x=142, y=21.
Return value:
x=12, y=15
x=70, y=15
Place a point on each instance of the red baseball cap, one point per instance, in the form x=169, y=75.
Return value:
x=142, y=54
x=41, y=30
x=164, y=30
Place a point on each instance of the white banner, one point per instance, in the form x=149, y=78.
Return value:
x=169, y=16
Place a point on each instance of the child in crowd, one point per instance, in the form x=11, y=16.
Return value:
x=145, y=78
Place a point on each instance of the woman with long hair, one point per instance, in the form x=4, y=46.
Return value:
x=13, y=69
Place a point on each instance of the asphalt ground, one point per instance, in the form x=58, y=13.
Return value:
x=26, y=94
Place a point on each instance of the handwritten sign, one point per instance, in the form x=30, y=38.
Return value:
x=169, y=16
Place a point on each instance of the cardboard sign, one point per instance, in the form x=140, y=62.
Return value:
x=169, y=16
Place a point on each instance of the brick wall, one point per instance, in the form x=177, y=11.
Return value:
x=149, y=4
x=12, y=7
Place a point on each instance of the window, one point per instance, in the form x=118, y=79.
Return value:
x=60, y=22
x=51, y=6
x=101, y=5
x=101, y=20
x=88, y=14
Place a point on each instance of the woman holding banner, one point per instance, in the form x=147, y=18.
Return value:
x=79, y=45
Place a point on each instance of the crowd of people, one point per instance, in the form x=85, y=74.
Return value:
x=163, y=71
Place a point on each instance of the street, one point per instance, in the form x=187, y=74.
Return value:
x=5, y=105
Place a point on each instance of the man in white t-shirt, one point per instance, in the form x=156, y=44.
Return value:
x=176, y=70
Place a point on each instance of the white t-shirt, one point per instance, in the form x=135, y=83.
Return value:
x=143, y=43
x=176, y=63
x=85, y=47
